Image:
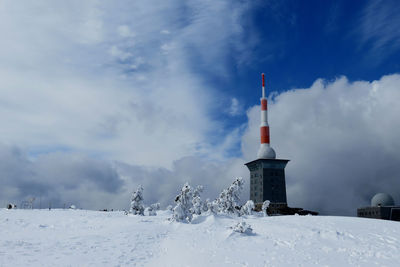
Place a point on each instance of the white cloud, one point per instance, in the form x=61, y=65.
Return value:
x=378, y=27
x=125, y=31
x=235, y=108
x=88, y=83
x=116, y=52
x=167, y=47
x=341, y=138
x=99, y=78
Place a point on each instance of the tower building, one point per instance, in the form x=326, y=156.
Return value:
x=267, y=174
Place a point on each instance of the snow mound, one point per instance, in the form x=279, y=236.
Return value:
x=243, y=228
x=93, y=238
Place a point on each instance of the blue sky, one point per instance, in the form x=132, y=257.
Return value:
x=97, y=97
x=295, y=43
x=301, y=41
x=298, y=42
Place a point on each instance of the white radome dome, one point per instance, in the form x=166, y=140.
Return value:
x=266, y=152
x=382, y=199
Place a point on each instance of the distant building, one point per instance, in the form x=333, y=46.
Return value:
x=382, y=207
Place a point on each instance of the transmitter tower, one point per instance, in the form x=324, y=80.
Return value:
x=267, y=174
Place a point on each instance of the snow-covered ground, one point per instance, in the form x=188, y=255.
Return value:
x=93, y=238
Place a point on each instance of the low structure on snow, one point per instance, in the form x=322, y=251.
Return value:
x=283, y=209
x=11, y=206
x=382, y=207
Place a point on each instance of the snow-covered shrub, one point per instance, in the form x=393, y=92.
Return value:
x=153, y=209
x=184, y=205
x=265, y=206
x=243, y=228
x=247, y=209
x=137, y=207
x=228, y=200
x=170, y=208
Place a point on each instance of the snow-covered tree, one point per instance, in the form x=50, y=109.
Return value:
x=197, y=203
x=243, y=228
x=199, y=189
x=153, y=209
x=247, y=209
x=228, y=200
x=265, y=206
x=204, y=207
x=212, y=206
x=184, y=205
x=137, y=201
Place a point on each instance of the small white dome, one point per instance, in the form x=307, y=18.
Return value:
x=382, y=199
x=266, y=152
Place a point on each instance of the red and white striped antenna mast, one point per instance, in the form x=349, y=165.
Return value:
x=265, y=151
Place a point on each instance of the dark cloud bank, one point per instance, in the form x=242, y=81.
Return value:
x=62, y=178
x=341, y=138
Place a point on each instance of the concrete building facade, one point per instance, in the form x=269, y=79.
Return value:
x=267, y=180
x=385, y=213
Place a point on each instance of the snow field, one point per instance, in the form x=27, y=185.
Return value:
x=94, y=238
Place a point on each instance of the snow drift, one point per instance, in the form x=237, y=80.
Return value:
x=93, y=238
